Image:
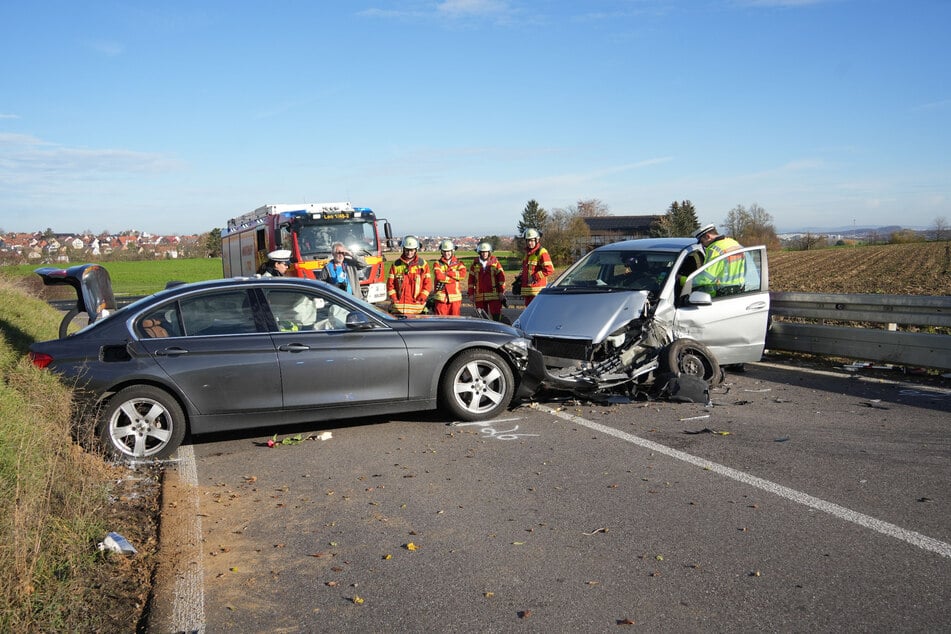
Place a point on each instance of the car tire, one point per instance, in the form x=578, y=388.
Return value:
x=477, y=385
x=142, y=421
x=686, y=356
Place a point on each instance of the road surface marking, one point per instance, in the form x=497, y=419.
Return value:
x=915, y=539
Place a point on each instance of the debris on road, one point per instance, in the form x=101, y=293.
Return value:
x=114, y=542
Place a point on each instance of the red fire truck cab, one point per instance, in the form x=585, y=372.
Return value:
x=308, y=230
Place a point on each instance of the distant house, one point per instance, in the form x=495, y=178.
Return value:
x=608, y=229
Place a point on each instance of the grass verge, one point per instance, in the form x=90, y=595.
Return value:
x=57, y=500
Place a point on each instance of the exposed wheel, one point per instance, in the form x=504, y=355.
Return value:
x=142, y=421
x=477, y=385
x=73, y=321
x=686, y=356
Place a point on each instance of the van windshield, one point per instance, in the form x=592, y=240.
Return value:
x=620, y=270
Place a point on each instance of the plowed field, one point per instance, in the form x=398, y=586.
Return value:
x=922, y=268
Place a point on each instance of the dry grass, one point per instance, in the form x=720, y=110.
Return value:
x=55, y=498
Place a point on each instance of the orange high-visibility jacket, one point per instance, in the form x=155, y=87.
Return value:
x=536, y=267
x=450, y=274
x=486, y=283
x=408, y=285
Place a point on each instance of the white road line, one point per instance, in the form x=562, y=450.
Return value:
x=915, y=539
x=188, y=610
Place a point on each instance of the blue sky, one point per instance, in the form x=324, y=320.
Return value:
x=446, y=117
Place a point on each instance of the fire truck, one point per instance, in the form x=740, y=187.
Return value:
x=308, y=230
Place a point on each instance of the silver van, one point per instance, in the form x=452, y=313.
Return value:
x=630, y=310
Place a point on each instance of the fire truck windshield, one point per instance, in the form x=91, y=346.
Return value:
x=315, y=240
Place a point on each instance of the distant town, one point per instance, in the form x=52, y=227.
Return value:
x=42, y=247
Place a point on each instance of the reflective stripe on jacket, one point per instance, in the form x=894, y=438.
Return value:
x=450, y=274
x=729, y=272
x=408, y=285
x=486, y=283
x=536, y=267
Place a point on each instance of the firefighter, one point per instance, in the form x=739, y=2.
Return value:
x=727, y=277
x=449, y=274
x=487, y=282
x=409, y=283
x=536, y=267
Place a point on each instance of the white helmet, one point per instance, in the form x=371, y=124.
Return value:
x=531, y=234
x=447, y=245
x=410, y=242
x=702, y=230
x=484, y=246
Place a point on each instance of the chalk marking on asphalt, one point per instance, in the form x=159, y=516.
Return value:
x=188, y=609
x=915, y=539
x=492, y=432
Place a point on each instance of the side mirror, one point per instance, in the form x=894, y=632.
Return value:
x=699, y=298
x=358, y=321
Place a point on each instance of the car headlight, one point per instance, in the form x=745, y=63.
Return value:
x=517, y=349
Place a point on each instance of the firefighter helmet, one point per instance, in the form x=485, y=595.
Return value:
x=447, y=245
x=484, y=246
x=531, y=234
x=410, y=242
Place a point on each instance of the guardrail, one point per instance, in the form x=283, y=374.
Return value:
x=869, y=344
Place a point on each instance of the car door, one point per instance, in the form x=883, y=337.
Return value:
x=211, y=349
x=733, y=326
x=324, y=363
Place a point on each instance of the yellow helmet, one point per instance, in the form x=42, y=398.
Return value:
x=447, y=245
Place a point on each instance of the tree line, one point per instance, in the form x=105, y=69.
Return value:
x=565, y=233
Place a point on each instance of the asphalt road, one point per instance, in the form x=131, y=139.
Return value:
x=798, y=501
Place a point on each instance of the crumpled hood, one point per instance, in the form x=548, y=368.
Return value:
x=581, y=315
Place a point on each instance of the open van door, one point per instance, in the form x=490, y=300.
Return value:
x=731, y=321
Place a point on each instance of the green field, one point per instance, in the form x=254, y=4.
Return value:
x=141, y=277
x=144, y=277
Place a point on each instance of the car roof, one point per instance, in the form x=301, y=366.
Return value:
x=650, y=244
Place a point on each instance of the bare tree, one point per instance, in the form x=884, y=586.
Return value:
x=940, y=229
x=565, y=234
x=808, y=241
x=751, y=226
x=591, y=208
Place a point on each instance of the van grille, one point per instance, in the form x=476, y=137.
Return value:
x=563, y=348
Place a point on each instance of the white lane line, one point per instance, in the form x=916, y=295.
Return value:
x=915, y=539
x=188, y=609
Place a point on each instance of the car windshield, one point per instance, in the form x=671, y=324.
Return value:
x=619, y=270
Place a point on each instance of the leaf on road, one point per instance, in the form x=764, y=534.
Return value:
x=411, y=546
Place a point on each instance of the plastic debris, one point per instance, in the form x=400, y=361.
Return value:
x=116, y=543
x=326, y=435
